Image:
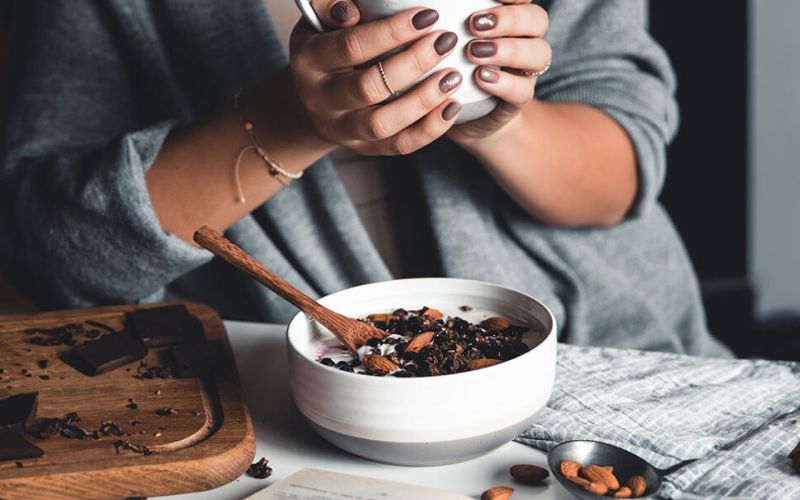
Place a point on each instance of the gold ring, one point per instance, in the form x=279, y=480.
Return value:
x=385, y=79
x=528, y=74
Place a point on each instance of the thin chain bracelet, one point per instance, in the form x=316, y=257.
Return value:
x=273, y=167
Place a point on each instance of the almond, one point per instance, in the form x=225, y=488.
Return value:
x=597, y=474
x=378, y=363
x=529, y=474
x=597, y=488
x=570, y=468
x=638, y=485
x=495, y=323
x=578, y=480
x=498, y=493
x=379, y=317
x=419, y=342
x=432, y=313
x=623, y=492
x=477, y=364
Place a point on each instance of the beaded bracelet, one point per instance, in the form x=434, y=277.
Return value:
x=273, y=167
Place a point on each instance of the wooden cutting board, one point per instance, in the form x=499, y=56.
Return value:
x=208, y=443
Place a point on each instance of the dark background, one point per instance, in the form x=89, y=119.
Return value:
x=706, y=192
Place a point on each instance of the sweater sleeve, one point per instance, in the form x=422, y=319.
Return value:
x=77, y=227
x=604, y=57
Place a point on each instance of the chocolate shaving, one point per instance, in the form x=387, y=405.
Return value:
x=45, y=428
x=153, y=372
x=136, y=448
x=166, y=412
x=60, y=335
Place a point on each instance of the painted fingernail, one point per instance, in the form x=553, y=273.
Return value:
x=445, y=43
x=484, y=22
x=343, y=12
x=425, y=19
x=450, y=81
x=488, y=75
x=451, y=111
x=483, y=49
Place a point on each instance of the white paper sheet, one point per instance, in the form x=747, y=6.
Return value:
x=314, y=484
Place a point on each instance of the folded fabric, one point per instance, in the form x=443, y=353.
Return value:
x=740, y=418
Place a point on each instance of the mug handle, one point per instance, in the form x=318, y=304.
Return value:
x=309, y=14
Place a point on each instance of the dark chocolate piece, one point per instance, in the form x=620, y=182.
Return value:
x=18, y=410
x=106, y=353
x=14, y=446
x=165, y=326
x=199, y=360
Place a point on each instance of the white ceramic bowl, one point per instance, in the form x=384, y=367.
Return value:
x=425, y=420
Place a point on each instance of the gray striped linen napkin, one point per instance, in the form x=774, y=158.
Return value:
x=740, y=418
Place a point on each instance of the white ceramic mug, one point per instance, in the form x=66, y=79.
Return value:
x=453, y=16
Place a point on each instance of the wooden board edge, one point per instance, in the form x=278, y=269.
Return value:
x=127, y=481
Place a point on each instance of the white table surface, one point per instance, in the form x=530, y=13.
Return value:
x=289, y=444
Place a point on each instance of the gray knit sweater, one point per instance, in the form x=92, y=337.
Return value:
x=97, y=85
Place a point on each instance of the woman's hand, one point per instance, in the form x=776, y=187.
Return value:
x=510, y=38
x=347, y=99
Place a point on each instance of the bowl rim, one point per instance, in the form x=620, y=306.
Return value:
x=301, y=316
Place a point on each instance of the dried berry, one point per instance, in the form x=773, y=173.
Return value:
x=166, y=412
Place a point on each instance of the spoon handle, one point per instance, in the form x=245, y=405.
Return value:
x=210, y=239
x=674, y=468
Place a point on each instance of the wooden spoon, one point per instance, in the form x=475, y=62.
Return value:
x=353, y=334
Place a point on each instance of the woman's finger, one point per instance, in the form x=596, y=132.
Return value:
x=529, y=20
x=431, y=127
x=531, y=54
x=382, y=122
x=344, y=49
x=513, y=89
x=336, y=14
x=365, y=87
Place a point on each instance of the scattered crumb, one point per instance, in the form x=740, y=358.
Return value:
x=260, y=469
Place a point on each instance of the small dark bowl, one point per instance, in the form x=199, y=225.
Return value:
x=625, y=464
